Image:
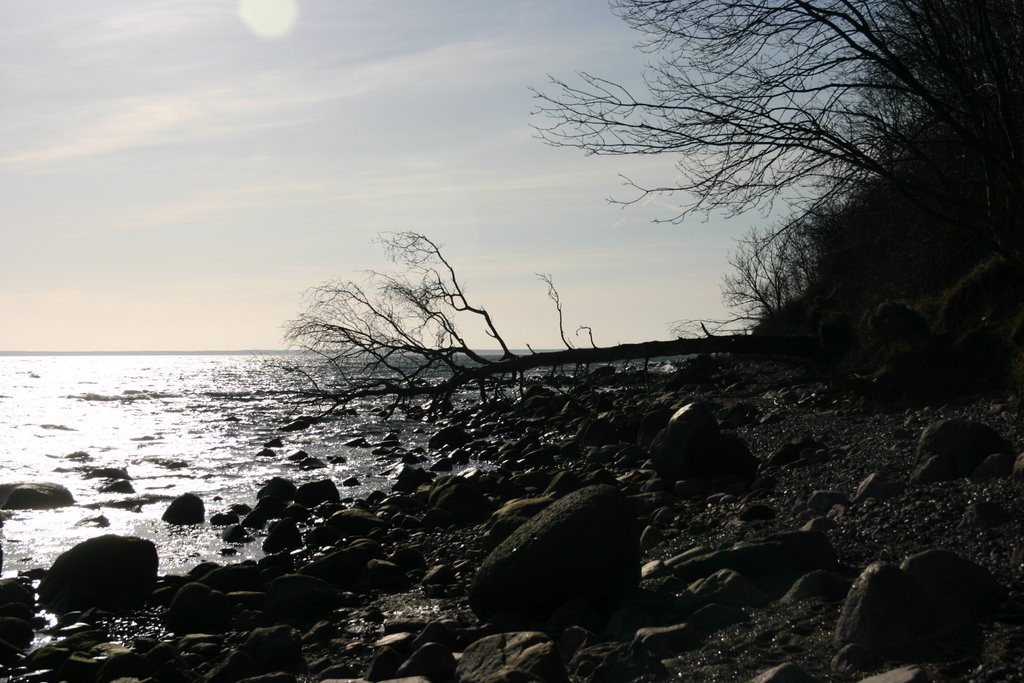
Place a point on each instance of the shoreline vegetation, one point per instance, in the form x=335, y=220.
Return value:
x=738, y=517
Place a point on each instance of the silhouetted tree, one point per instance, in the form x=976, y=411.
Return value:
x=398, y=337
x=809, y=101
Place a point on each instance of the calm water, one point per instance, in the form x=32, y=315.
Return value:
x=177, y=423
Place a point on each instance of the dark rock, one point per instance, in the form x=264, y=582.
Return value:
x=341, y=568
x=275, y=648
x=582, y=546
x=877, y=487
x=13, y=590
x=187, y=508
x=298, y=424
x=117, y=486
x=433, y=661
x=233, y=578
x=984, y=515
x=752, y=512
x=125, y=665
x=99, y=571
x=453, y=436
x=630, y=662
x=889, y=611
x=17, y=632
x=224, y=519
x=381, y=574
x=953, y=449
x=771, y=564
x=668, y=641
x=529, y=651
x=197, y=608
x=966, y=582
x=853, y=657
x=237, y=666
x=820, y=584
x=461, y=497
x=691, y=446
x=313, y=493
x=439, y=575
x=236, y=534
x=384, y=664
x=300, y=596
x=29, y=495
x=278, y=487
x=357, y=522
x=1018, y=470
x=284, y=534
x=728, y=587
x=995, y=466
x=107, y=473
x=409, y=478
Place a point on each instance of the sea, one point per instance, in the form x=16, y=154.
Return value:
x=176, y=423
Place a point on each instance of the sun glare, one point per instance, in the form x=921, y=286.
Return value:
x=269, y=18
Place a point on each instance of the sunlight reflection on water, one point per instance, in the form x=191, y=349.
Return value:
x=176, y=424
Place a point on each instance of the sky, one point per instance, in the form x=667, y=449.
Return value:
x=175, y=174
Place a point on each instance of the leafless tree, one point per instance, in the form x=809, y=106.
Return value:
x=398, y=335
x=808, y=100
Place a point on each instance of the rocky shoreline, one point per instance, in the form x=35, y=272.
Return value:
x=735, y=520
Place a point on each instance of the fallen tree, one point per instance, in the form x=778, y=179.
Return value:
x=397, y=336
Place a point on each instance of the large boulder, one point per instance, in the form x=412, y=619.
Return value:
x=100, y=571
x=296, y=596
x=313, y=493
x=585, y=545
x=772, y=564
x=966, y=582
x=953, y=449
x=889, y=612
x=34, y=495
x=691, y=447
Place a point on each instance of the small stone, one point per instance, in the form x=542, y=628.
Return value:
x=186, y=509
x=853, y=657
x=668, y=641
x=878, y=487
x=729, y=588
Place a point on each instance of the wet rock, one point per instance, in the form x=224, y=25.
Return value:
x=197, y=608
x=233, y=578
x=822, y=501
x=99, y=571
x=284, y=534
x=629, y=662
x=117, y=486
x=235, y=667
x=300, y=596
x=236, y=534
x=904, y=674
x=771, y=564
x=966, y=582
x=753, y=512
x=278, y=487
x=529, y=651
x=784, y=673
x=314, y=493
x=691, y=446
x=438, y=575
x=125, y=666
x=453, y=436
x=585, y=545
x=298, y=424
x=39, y=495
x=381, y=574
x=953, y=449
x=187, y=508
x=878, y=487
x=889, y=611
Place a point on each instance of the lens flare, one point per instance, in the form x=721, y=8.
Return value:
x=269, y=18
